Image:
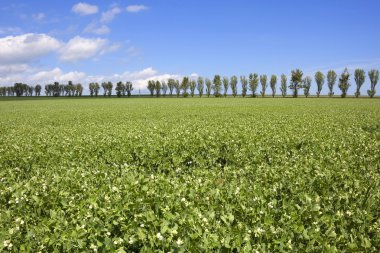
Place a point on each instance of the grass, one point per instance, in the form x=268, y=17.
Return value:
x=190, y=174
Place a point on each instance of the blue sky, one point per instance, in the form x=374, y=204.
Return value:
x=84, y=41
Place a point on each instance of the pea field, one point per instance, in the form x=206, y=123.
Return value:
x=189, y=175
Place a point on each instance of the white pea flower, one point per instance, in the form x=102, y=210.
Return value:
x=159, y=236
x=8, y=244
x=93, y=247
x=179, y=242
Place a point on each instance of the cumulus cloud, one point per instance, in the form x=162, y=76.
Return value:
x=26, y=74
x=79, y=48
x=13, y=69
x=39, y=76
x=10, y=30
x=138, y=78
x=56, y=75
x=97, y=29
x=26, y=47
x=109, y=15
x=136, y=8
x=84, y=9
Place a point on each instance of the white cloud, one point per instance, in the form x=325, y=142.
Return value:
x=97, y=29
x=10, y=30
x=109, y=15
x=38, y=16
x=79, y=48
x=139, y=78
x=136, y=8
x=56, y=75
x=84, y=9
x=26, y=47
x=32, y=76
x=13, y=69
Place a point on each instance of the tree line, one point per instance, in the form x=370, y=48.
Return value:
x=70, y=89
x=220, y=86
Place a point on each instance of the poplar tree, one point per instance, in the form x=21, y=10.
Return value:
x=226, y=84
x=151, y=87
x=331, y=80
x=359, y=80
x=217, y=85
x=234, y=82
x=164, y=88
x=171, y=83
x=284, y=85
x=200, y=86
x=185, y=85
x=374, y=78
x=244, y=84
x=208, y=87
x=253, y=83
x=344, y=82
x=193, y=85
x=129, y=88
x=296, y=81
x=320, y=80
x=157, y=88
x=273, y=84
x=263, y=81
x=306, y=86
x=177, y=87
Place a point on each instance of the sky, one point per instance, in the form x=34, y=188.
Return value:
x=95, y=41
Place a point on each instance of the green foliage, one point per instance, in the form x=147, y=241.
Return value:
x=164, y=88
x=344, y=82
x=157, y=88
x=185, y=84
x=217, y=82
x=320, y=80
x=264, y=84
x=107, y=88
x=296, y=81
x=244, y=84
x=359, y=80
x=38, y=90
x=151, y=86
x=284, y=85
x=331, y=80
x=253, y=83
x=193, y=85
x=273, y=84
x=226, y=84
x=178, y=175
x=129, y=88
x=94, y=89
x=200, y=86
x=234, y=83
x=177, y=87
x=120, y=89
x=374, y=78
x=208, y=87
x=306, y=86
x=20, y=89
x=171, y=84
